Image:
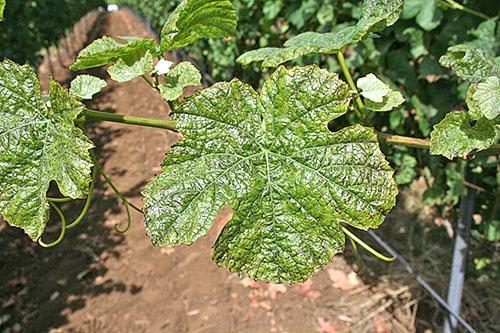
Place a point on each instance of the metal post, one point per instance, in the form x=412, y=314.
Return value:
x=456, y=286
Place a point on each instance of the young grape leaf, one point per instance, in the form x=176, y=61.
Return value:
x=471, y=64
x=391, y=101
x=38, y=145
x=487, y=97
x=271, y=156
x=86, y=86
x=2, y=7
x=379, y=97
x=182, y=76
x=376, y=16
x=455, y=136
x=373, y=88
x=195, y=19
x=131, y=67
x=106, y=51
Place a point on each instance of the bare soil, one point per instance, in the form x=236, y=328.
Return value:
x=99, y=280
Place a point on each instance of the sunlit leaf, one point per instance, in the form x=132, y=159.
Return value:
x=86, y=86
x=457, y=136
x=183, y=75
x=196, y=19
x=376, y=16
x=38, y=145
x=290, y=180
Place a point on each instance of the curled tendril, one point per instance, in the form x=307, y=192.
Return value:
x=127, y=204
x=354, y=238
x=63, y=228
x=87, y=202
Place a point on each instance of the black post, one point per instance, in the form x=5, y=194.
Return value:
x=455, y=288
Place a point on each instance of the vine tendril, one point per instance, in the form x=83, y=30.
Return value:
x=87, y=202
x=127, y=204
x=354, y=238
x=63, y=228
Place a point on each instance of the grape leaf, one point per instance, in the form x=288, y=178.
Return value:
x=455, y=136
x=38, y=145
x=378, y=96
x=86, y=86
x=2, y=7
x=487, y=97
x=470, y=63
x=271, y=156
x=182, y=76
x=391, y=101
x=131, y=67
x=106, y=50
x=195, y=19
x=376, y=16
x=373, y=88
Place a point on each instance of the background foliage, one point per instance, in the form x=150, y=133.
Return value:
x=31, y=25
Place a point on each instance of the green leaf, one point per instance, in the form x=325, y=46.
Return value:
x=391, y=101
x=455, y=136
x=2, y=7
x=86, y=86
x=39, y=145
x=271, y=156
x=411, y=8
x=379, y=97
x=429, y=16
x=470, y=63
x=406, y=170
x=377, y=15
x=106, y=51
x=373, y=88
x=487, y=97
x=195, y=19
x=486, y=37
x=128, y=69
x=183, y=75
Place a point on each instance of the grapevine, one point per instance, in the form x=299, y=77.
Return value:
x=295, y=186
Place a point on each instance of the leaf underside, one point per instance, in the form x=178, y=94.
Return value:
x=376, y=16
x=196, y=19
x=271, y=156
x=38, y=145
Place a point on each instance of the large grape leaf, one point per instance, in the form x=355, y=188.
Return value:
x=195, y=19
x=271, y=156
x=470, y=63
x=106, y=51
x=457, y=136
x=38, y=145
x=376, y=16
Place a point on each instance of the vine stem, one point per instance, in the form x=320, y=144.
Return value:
x=92, y=115
x=360, y=110
x=354, y=238
x=455, y=5
x=407, y=141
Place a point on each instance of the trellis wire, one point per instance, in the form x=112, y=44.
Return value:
x=422, y=282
